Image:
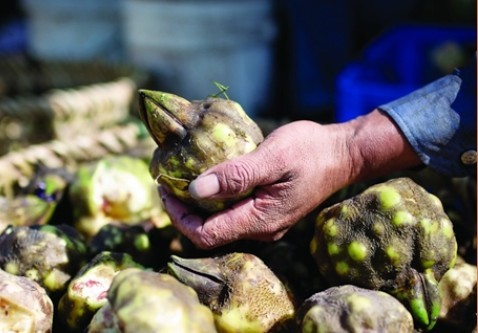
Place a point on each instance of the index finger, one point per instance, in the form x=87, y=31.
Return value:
x=182, y=217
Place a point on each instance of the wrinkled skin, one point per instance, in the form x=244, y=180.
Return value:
x=115, y=188
x=192, y=137
x=349, y=308
x=49, y=255
x=148, y=302
x=394, y=237
x=24, y=305
x=87, y=291
x=296, y=168
x=242, y=292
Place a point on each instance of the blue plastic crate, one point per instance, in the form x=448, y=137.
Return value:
x=394, y=65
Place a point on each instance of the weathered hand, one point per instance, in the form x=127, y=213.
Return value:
x=296, y=168
x=291, y=172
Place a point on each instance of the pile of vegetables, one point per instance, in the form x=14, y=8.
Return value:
x=92, y=250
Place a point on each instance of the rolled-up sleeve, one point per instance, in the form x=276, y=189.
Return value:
x=439, y=121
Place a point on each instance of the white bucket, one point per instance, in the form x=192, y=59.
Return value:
x=189, y=44
x=66, y=29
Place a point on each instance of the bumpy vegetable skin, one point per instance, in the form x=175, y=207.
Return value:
x=24, y=210
x=115, y=188
x=49, y=255
x=87, y=291
x=141, y=301
x=104, y=321
x=24, y=305
x=194, y=136
x=458, y=293
x=242, y=292
x=348, y=308
x=135, y=240
x=394, y=237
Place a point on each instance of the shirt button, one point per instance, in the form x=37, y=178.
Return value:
x=468, y=157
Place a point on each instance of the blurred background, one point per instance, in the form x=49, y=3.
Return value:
x=322, y=60
x=69, y=78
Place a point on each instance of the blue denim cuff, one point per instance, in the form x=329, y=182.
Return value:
x=442, y=138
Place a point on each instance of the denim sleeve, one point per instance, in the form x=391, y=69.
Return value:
x=439, y=121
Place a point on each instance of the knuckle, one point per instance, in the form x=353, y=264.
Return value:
x=238, y=177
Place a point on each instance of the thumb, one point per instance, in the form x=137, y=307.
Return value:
x=236, y=176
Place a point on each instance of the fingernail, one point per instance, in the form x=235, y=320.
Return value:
x=204, y=187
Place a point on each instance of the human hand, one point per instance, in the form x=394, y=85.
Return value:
x=290, y=173
x=296, y=167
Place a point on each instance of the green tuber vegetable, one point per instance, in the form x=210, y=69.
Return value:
x=24, y=305
x=349, y=308
x=35, y=204
x=87, y=291
x=49, y=255
x=24, y=210
x=131, y=239
x=49, y=184
x=115, y=188
x=141, y=301
x=394, y=237
x=104, y=321
x=192, y=137
x=458, y=293
x=242, y=292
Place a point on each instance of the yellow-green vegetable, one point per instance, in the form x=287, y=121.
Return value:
x=24, y=305
x=194, y=136
x=48, y=254
x=87, y=291
x=349, y=308
x=242, y=292
x=395, y=237
x=39, y=202
x=24, y=210
x=458, y=293
x=115, y=188
x=131, y=239
x=142, y=301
